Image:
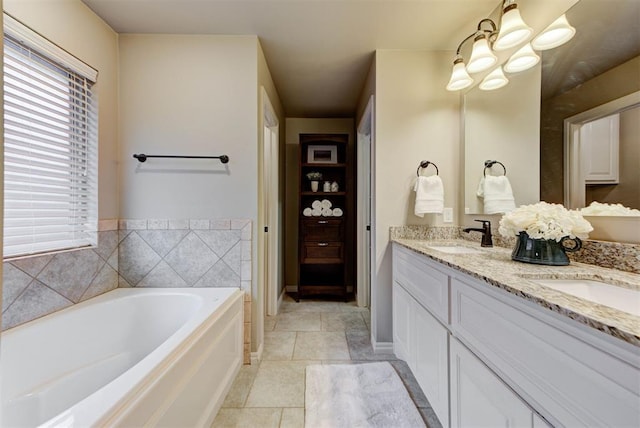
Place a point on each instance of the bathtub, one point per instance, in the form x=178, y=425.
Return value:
x=130, y=358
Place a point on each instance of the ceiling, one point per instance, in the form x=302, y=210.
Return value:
x=609, y=36
x=319, y=51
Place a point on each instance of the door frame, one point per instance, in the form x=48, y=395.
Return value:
x=364, y=209
x=270, y=271
x=574, y=183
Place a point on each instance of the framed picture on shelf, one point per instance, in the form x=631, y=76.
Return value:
x=322, y=154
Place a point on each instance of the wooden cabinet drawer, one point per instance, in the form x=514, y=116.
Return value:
x=429, y=286
x=568, y=373
x=322, y=252
x=322, y=229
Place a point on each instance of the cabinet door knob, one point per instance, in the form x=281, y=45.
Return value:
x=323, y=221
x=323, y=244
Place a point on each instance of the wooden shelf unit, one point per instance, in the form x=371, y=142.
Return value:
x=325, y=243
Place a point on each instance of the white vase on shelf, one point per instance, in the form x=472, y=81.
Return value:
x=314, y=186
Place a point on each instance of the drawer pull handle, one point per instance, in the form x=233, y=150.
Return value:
x=323, y=244
x=323, y=221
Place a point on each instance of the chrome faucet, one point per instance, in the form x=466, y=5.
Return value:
x=485, y=230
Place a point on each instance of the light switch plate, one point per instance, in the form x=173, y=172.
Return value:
x=447, y=215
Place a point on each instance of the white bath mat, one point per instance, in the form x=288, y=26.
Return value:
x=358, y=395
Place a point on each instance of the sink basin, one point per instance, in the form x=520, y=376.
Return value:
x=454, y=249
x=624, y=299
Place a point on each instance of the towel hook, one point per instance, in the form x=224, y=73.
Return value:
x=425, y=164
x=490, y=163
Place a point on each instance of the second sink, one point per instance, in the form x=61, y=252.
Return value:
x=621, y=298
x=454, y=249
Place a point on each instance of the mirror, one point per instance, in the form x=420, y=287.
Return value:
x=503, y=126
x=608, y=35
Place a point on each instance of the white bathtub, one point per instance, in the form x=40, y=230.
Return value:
x=130, y=357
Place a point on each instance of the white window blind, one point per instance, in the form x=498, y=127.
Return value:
x=50, y=151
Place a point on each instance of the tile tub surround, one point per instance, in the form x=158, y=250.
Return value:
x=142, y=253
x=615, y=255
x=185, y=253
x=39, y=285
x=494, y=266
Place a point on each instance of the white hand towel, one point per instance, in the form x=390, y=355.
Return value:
x=429, y=195
x=327, y=212
x=497, y=194
x=316, y=212
x=307, y=212
x=337, y=212
x=326, y=203
x=316, y=205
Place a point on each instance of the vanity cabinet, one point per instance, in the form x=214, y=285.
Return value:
x=479, y=397
x=486, y=357
x=419, y=337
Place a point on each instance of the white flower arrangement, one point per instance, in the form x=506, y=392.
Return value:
x=545, y=221
x=597, y=208
x=314, y=176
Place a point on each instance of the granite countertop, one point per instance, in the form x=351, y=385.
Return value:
x=494, y=266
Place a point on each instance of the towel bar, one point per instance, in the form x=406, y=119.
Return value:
x=490, y=163
x=425, y=164
x=142, y=157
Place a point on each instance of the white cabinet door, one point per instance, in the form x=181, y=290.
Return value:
x=478, y=396
x=599, y=145
x=403, y=325
x=431, y=361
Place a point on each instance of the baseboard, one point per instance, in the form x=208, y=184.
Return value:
x=382, y=347
x=291, y=288
x=256, y=356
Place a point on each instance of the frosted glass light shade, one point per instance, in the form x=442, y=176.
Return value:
x=460, y=79
x=513, y=30
x=523, y=59
x=556, y=34
x=494, y=80
x=482, y=57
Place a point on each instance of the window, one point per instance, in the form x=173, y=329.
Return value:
x=50, y=146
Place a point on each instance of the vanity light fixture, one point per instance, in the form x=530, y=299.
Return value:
x=522, y=60
x=513, y=30
x=460, y=79
x=494, y=80
x=556, y=34
x=482, y=58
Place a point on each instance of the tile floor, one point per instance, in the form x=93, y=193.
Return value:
x=271, y=394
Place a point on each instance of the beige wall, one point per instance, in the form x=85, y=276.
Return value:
x=74, y=27
x=415, y=119
x=295, y=127
x=188, y=95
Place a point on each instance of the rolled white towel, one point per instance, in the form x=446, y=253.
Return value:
x=316, y=205
x=307, y=212
x=316, y=212
x=327, y=212
x=326, y=203
x=337, y=212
